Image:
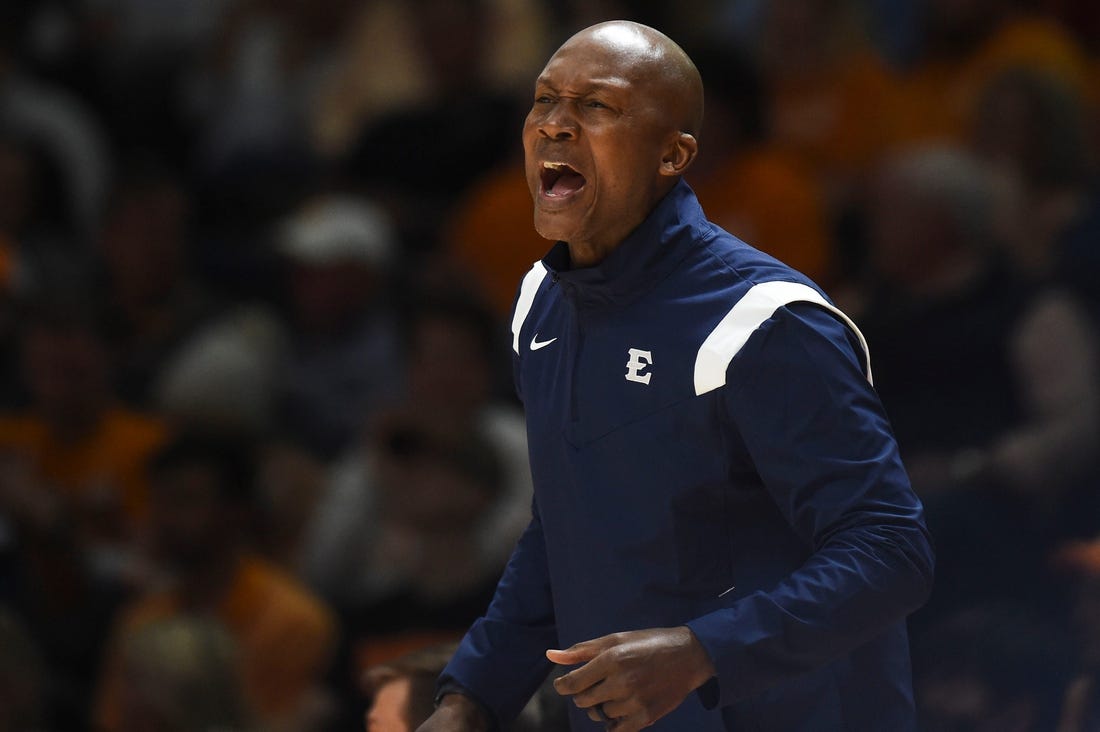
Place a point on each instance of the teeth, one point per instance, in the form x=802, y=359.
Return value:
x=554, y=166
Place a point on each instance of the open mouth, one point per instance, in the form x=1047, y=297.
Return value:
x=559, y=179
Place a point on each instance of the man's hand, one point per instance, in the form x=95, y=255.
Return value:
x=456, y=713
x=630, y=680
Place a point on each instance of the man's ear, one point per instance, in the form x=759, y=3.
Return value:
x=679, y=155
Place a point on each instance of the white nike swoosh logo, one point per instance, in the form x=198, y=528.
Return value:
x=536, y=345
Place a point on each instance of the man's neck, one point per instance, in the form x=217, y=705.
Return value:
x=585, y=254
x=591, y=252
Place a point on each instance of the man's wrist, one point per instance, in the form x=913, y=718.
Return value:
x=458, y=703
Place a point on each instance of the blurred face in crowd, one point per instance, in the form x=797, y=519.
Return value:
x=897, y=229
x=431, y=477
x=191, y=520
x=143, y=242
x=910, y=233
x=1005, y=130
x=452, y=37
x=607, y=135
x=329, y=297
x=448, y=368
x=66, y=370
x=389, y=710
x=422, y=487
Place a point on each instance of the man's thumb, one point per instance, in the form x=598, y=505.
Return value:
x=579, y=653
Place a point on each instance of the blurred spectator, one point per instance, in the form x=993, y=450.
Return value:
x=1081, y=17
x=226, y=376
x=203, y=508
x=343, y=363
x=402, y=695
x=967, y=43
x=132, y=61
x=22, y=682
x=396, y=542
x=80, y=446
x=57, y=125
x=895, y=25
x=13, y=203
x=291, y=486
x=992, y=669
x=154, y=301
x=452, y=351
x=990, y=380
x=750, y=185
x=64, y=602
x=1079, y=256
x=830, y=90
x=262, y=78
x=1031, y=127
x=408, y=526
x=35, y=213
x=419, y=183
x=1081, y=560
x=179, y=674
x=402, y=691
x=943, y=297
x=492, y=234
x=399, y=57
x=450, y=347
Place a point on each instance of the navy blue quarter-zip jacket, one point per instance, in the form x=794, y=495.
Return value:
x=707, y=450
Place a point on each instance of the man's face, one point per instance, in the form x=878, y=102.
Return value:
x=594, y=140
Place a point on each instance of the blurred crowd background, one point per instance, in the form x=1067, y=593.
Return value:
x=260, y=461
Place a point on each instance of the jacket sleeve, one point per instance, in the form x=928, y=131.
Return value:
x=797, y=397
x=502, y=659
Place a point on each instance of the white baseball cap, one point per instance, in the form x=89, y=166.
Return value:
x=335, y=229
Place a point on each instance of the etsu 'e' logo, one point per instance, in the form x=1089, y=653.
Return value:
x=639, y=361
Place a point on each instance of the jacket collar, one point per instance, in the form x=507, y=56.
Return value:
x=644, y=258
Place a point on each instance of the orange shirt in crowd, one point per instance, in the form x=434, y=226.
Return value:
x=284, y=635
x=767, y=199
x=937, y=101
x=493, y=234
x=105, y=466
x=834, y=118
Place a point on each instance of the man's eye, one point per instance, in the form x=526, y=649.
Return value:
x=544, y=99
x=596, y=104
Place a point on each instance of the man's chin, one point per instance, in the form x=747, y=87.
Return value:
x=554, y=226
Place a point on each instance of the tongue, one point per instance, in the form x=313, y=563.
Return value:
x=567, y=182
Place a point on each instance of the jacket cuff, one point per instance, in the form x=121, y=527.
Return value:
x=450, y=686
x=712, y=631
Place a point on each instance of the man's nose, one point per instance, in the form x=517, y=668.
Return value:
x=558, y=122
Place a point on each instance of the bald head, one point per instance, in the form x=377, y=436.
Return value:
x=655, y=58
x=610, y=132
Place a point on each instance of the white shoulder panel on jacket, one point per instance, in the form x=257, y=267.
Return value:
x=748, y=314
